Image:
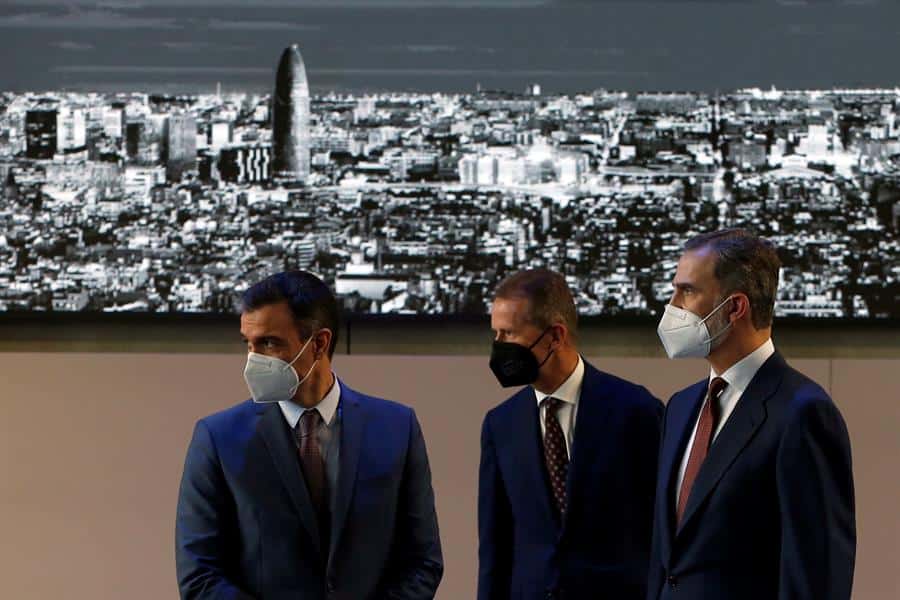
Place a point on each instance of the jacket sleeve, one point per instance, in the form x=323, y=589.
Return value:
x=646, y=460
x=655, y=572
x=417, y=561
x=494, y=525
x=202, y=538
x=816, y=502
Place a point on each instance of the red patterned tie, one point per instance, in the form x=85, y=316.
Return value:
x=311, y=457
x=709, y=418
x=555, y=454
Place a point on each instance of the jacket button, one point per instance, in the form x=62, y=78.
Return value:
x=672, y=581
x=330, y=586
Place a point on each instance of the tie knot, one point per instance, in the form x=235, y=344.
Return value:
x=716, y=387
x=552, y=404
x=309, y=421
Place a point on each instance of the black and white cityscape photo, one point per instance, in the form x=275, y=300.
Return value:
x=160, y=157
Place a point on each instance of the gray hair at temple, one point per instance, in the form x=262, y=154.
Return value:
x=744, y=263
x=550, y=300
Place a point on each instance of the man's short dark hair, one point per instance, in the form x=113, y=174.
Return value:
x=550, y=300
x=744, y=263
x=313, y=305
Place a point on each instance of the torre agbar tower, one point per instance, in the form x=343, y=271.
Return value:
x=290, y=118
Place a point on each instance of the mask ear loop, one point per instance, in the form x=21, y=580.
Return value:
x=724, y=329
x=543, y=333
x=713, y=311
x=546, y=358
x=301, y=351
x=308, y=373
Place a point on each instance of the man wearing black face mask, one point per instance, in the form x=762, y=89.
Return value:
x=568, y=463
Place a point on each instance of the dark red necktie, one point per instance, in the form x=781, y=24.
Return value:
x=709, y=418
x=555, y=455
x=311, y=457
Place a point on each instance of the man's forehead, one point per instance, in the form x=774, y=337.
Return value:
x=700, y=260
x=267, y=321
x=696, y=266
x=509, y=312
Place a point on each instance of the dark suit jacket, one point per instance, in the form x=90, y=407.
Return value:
x=602, y=548
x=246, y=528
x=771, y=512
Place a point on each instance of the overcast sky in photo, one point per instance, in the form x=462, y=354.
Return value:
x=449, y=45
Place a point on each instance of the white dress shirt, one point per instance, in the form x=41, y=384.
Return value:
x=329, y=433
x=327, y=407
x=738, y=377
x=569, y=392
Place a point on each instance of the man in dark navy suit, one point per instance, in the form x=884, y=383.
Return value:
x=311, y=489
x=565, y=496
x=755, y=489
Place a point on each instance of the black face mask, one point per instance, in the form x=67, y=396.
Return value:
x=515, y=364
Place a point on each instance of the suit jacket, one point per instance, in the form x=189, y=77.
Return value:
x=246, y=527
x=771, y=512
x=602, y=547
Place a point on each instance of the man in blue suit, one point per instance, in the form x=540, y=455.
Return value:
x=755, y=489
x=311, y=489
x=566, y=485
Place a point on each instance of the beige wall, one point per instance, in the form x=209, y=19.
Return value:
x=91, y=450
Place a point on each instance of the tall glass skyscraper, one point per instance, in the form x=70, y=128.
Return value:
x=290, y=118
x=180, y=147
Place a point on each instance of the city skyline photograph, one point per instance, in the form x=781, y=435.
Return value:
x=159, y=158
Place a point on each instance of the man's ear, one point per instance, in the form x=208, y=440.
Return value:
x=558, y=333
x=322, y=342
x=740, y=307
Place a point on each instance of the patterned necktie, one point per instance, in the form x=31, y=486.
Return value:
x=555, y=455
x=709, y=418
x=311, y=458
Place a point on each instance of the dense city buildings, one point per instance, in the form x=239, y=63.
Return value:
x=420, y=203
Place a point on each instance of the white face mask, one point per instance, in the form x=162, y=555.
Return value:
x=271, y=379
x=685, y=335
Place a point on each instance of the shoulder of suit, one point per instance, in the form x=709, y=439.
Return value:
x=232, y=415
x=374, y=404
x=689, y=393
x=622, y=389
x=526, y=394
x=797, y=391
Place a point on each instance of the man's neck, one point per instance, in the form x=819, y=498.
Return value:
x=555, y=372
x=319, y=385
x=735, y=350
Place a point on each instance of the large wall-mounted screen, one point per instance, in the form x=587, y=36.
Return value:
x=158, y=158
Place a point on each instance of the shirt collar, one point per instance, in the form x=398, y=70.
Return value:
x=570, y=389
x=326, y=407
x=739, y=375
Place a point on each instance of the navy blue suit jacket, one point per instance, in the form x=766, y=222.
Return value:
x=771, y=513
x=602, y=548
x=246, y=528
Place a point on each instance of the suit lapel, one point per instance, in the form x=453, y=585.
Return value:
x=748, y=415
x=680, y=422
x=277, y=437
x=590, y=442
x=353, y=419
